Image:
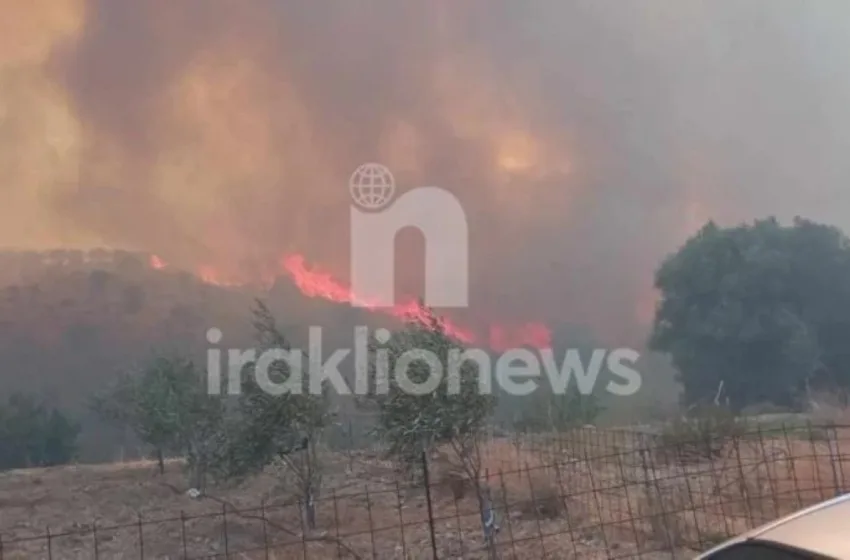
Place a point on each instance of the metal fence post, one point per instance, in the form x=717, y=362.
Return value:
x=834, y=458
x=224, y=522
x=183, y=533
x=430, y=506
x=265, y=528
x=141, y=539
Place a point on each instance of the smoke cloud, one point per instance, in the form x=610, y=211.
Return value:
x=586, y=139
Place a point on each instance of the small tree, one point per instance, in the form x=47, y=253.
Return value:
x=166, y=405
x=146, y=403
x=202, y=432
x=454, y=414
x=278, y=430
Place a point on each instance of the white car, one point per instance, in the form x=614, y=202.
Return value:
x=815, y=533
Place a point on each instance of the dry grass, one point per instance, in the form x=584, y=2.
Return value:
x=589, y=494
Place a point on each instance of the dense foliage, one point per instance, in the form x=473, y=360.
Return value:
x=167, y=406
x=762, y=308
x=453, y=413
x=33, y=434
x=277, y=430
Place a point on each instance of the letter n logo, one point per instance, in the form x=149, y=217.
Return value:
x=436, y=212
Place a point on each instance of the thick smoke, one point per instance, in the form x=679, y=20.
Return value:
x=586, y=139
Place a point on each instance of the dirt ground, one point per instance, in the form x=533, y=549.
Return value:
x=552, y=498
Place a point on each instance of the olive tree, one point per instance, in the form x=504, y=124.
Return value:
x=282, y=431
x=167, y=406
x=761, y=310
x=427, y=394
x=430, y=396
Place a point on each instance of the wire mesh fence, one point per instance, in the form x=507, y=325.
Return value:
x=587, y=493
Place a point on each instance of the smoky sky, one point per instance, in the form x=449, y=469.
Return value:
x=586, y=139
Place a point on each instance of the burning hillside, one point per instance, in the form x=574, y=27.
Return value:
x=312, y=282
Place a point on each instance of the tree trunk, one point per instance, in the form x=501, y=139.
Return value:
x=310, y=510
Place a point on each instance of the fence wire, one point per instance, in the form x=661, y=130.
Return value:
x=588, y=493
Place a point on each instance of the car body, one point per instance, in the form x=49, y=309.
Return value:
x=817, y=532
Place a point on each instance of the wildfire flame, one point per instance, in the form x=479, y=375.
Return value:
x=315, y=283
x=157, y=263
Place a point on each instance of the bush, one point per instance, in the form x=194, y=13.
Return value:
x=545, y=501
x=558, y=412
x=35, y=435
x=703, y=434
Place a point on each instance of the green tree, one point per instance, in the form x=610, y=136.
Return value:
x=762, y=308
x=450, y=414
x=167, y=406
x=35, y=435
x=454, y=413
x=278, y=430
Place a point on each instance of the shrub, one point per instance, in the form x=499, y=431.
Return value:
x=702, y=434
x=559, y=412
x=35, y=435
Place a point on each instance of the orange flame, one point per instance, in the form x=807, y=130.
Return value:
x=315, y=283
x=157, y=263
x=210, y=275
